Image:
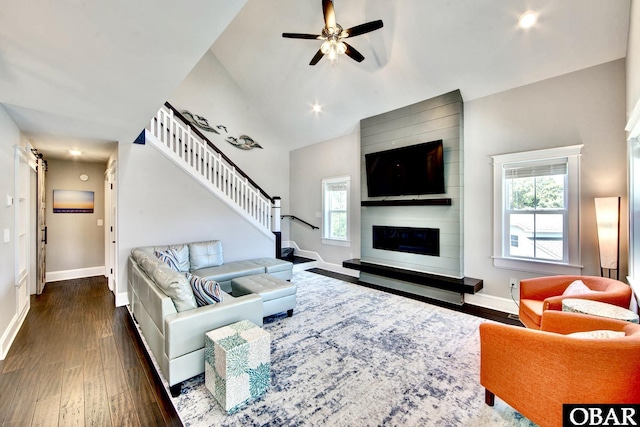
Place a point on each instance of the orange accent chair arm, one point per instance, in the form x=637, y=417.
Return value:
x=535, y=371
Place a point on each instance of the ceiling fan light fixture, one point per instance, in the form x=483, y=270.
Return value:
x=527, y=19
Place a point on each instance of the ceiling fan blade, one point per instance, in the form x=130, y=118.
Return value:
x=317, y=57
x=352, y=53
x=301, y=36
x=329, y=14
x=363, y=28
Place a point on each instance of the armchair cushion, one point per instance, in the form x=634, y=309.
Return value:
x=598, y=335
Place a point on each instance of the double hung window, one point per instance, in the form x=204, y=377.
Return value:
x=335, y=203
x=536, y=206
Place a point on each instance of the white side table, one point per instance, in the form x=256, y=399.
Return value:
x=597, y=308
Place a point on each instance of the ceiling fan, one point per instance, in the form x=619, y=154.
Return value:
x=333, y=36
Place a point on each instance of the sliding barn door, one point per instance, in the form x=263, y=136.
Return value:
x=42, y=228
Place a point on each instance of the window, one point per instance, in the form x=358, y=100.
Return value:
x=536, y=208
x=335, y=206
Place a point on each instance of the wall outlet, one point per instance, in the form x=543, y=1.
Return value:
x=513, y=282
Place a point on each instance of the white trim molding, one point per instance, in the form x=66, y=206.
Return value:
x=320, y=263
x=12, y=331
x=78, y=273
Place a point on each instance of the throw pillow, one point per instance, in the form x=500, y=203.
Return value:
x=599, y=334
x=170, y=256
x=577, y=287
x=206, y=292
x=175, y=286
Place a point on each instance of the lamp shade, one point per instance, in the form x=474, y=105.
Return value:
x=608, y=221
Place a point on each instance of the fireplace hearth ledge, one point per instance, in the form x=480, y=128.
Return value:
x=466, y=285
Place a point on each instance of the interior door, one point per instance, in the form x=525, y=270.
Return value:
x=42, y=227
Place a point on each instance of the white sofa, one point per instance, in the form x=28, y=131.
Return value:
x=162, y=302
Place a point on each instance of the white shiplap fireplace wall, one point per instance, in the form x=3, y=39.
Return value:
x=430, y=120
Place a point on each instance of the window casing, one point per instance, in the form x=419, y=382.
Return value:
x=536, y=210
x=335, y=211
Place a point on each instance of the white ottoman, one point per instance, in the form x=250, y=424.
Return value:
x=237, y=363
x=277, y=295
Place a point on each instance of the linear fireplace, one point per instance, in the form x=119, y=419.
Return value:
x=424, y=241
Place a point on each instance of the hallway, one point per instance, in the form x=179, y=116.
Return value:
x=77, y=361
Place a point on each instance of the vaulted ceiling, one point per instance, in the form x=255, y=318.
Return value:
x=88, y=73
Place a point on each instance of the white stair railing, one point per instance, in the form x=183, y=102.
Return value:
x=191, y=150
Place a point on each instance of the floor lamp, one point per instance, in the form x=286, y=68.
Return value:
x=608, y=221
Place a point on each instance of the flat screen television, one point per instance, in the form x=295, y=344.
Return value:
x=413, y=170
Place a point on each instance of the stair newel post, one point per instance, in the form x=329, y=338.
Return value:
x=275, y=224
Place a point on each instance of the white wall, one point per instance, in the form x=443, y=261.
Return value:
x=75, y=241
x=210, y=91
x=160, y=204
x=10, y=136
x=585, y=107
x=309, y=165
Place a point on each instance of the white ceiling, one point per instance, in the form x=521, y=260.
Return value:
x=84, y=74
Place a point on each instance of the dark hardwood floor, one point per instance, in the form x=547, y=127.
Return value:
x=77, y=360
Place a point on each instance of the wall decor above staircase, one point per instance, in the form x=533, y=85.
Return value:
x=243, y=142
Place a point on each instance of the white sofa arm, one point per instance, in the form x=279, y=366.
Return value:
x=184, y=331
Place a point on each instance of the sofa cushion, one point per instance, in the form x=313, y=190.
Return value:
x=170, y=256
x=206, y=292
x=273, y=265
x=182, y=252
x=205, y=254
x=230, y=270
x=176, y=286
x=146, y=260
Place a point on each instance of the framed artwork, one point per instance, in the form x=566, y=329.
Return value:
x=72, y=201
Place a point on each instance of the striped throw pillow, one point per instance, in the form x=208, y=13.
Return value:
x=170, y=256
x=207, y=292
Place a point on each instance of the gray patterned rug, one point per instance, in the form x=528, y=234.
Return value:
x=354, y=356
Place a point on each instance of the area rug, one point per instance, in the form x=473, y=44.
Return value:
x=355, y=356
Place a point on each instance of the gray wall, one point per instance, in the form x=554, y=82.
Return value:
x=585, y=107
x=75, y=240
x=158, y=203
x=309, y=166
x=211, y=92
x=434, y=119
x=633, y=58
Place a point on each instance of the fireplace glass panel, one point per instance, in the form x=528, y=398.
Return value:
x=424, y=241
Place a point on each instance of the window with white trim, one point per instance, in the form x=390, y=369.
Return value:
x=335, y=207
x=536, y=210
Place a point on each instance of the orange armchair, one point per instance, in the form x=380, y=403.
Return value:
x=545, y=293
x=536, y=371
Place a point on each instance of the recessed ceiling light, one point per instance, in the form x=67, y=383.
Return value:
x=527, y=19
x=316, y=108
x=75, y=152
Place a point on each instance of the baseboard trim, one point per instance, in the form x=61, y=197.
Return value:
x=12, y=331
x=489, y=301
x=122, y=298
x=56, y=276
x=320, y=263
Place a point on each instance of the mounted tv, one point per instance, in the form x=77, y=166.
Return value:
x=417, y=169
